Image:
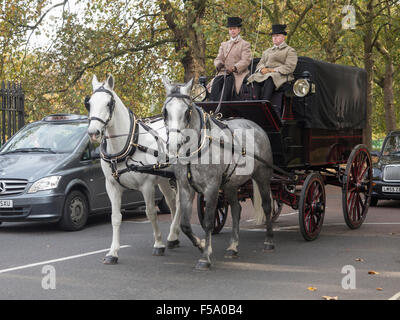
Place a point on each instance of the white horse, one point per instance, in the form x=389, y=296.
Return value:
x=126, y=141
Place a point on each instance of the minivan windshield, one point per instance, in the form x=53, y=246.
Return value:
x=47, y=137
x=392, y=146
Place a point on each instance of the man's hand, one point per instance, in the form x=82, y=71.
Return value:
x=231, y=69
x=220, y=66
x=266, y=70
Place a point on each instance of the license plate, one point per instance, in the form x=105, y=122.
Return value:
x=6, y=203
x=391, y=189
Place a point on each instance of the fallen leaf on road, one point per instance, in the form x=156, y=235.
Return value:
x=311, y=289
x=373, y=272
x=379, y=289
x=360, y=260
x=330, y=298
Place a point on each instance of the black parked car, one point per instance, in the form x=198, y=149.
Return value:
x=386, y=171
x=49, y=171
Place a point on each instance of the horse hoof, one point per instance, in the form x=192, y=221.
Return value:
x=173, y=244
x=110, y=260
x=230, y=254
x=269, y=247
x=158, y=251
x=203, y=265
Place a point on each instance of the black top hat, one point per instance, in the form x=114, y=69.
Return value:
x=278, y=29
x=234, y=22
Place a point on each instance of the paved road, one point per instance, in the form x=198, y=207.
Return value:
x=31, y=253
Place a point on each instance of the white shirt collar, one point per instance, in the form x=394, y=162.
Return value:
x=280, y=46
x=235, y=39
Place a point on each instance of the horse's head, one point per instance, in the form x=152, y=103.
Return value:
x=177, y=113
x=100, y=106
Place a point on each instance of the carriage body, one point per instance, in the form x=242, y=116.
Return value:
x=317, y=138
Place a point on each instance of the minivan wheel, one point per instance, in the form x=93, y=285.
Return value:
x=75, y=212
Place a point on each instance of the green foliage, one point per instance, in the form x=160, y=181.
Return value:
x=135, y=41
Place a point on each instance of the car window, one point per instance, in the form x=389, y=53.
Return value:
x=392, y=146
x=53, y=137
x=86, y=154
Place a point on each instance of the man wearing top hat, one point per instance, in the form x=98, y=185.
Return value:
x=276, y=66
x=232, y=62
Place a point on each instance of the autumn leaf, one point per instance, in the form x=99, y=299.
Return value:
x=373, y=272
x=379, y=289
x=360, y=260
x=311, y=289
x=330, y=298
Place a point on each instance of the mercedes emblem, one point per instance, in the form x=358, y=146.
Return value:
x=2, y=187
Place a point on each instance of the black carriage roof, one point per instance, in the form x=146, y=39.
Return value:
x=340, y=100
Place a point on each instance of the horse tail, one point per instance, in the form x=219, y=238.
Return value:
x=257, y=204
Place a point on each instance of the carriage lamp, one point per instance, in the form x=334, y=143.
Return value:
x=47, y=183
x=304, y=86
x=199, y=93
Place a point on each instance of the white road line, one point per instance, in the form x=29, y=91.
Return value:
x=395, y=297
x=57, y=260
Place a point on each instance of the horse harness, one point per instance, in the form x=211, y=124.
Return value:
x=131, y=144
x=205, y=125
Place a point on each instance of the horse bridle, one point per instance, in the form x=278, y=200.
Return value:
x=110, y=105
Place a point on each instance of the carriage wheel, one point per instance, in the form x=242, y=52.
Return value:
x=221, y=213
x=357, y=186
x=312, y=206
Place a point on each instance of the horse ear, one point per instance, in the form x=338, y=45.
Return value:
x=95, y=82
x=167, y=84
x=188, y=87
x=110, y=81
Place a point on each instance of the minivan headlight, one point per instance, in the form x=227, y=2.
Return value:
x=47, y=183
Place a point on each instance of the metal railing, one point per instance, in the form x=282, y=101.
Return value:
x=11, y=110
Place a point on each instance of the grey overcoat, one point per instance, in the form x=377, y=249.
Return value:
x=282, y=59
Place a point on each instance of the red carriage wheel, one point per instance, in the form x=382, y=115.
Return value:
x=357, y=186
x=221, y=213
x=312, y=206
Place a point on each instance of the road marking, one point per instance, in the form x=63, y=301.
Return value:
x=57, y=260
x=141, y=222
x=395, y=297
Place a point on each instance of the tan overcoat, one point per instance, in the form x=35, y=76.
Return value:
x=282, y=59
x=235, y=53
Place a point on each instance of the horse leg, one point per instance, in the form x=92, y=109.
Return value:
x=236, y=209
x=264, y=188
x=115, y=193
x=172, y=199
x=151, y=213
x=186, y=196
x=211, y=199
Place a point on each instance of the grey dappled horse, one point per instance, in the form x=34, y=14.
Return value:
x=113, y=123
x=194, y=139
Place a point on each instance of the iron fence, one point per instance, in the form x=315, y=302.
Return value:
x=11, y=110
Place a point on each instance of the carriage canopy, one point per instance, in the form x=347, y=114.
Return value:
x=340, y=96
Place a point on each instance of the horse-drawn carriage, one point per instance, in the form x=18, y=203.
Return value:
x=315, y=128
x=308, y=136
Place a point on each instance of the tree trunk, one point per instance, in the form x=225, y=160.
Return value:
x=390, y=113
x=368, y=64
